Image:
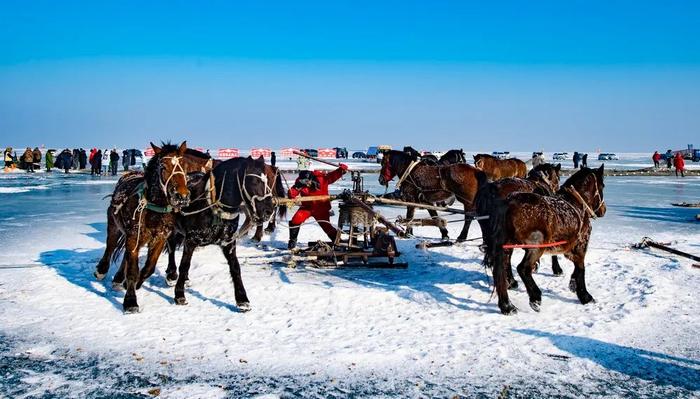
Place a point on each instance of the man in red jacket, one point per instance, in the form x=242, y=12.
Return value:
x=311, y=184
x=679, y=163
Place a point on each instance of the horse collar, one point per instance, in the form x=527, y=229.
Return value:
x=406, y=173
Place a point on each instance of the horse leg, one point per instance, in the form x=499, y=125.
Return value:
x=512, y=282
x=443, y=231
x=155, y=248
x=578, y=279
x=171, y=272
x=118, y=279
x=185, y=262
x=113, y=235
x=465, y=229
x=525, y=271
x=556, y=269
x=234, y=269
x=131, y=257
x=410, y=213
x=500, y=280
x=257, y=237
x=271, y=225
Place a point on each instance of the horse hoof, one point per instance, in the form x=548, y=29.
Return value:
x=181, y=301
x=572, y=285
x=139, y=284
x=99, y=276
x=244, y=306
x=509, y=310
x=170, y=282
x=513, y=285
x=255, y=239
x=269, y=230
x=131, y=309
x=188, y=283
x=535, y=305
x=117, y=286
x=586, y=299
x=558, y=273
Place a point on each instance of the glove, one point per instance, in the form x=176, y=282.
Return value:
x=299, y=184
x=344, y=167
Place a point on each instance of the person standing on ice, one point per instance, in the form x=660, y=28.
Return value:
x=679, y=164
x=28, y=159
x=312, y=184
x=657, y=159
x=49, y=160
x=113, y=161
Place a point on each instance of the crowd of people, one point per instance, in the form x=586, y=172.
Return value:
x=101, y=162
x=672, y=160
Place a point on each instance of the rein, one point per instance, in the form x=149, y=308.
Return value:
x=406, y=173
x=177, y=170
x=586, y=207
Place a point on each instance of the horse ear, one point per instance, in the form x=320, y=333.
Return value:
x=558, y=167
x=182, y=148
x=156, y=149
x=261, y=158
x=601, y=170
x=474, y=156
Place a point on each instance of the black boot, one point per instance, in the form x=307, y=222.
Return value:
x=293, y=234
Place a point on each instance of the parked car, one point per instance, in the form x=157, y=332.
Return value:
x=607, y=156
x=537, y=154
x=311, y=152
x=560, y=156
x=359, y=155
x=341, y=152
x=501, y=154
x=696, y=155
x=372, y=152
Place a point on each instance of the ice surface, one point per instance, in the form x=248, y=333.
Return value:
x=431, y=330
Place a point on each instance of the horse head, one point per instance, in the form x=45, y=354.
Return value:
x=169, y=169
x=394, y=163
x=256, y=191
x=546, y=173
x=588, y=184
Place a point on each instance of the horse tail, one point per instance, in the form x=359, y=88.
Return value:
x=498, y=237
x=485, y=202
x=119, y=249
x=280, y=193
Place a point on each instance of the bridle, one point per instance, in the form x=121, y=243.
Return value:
x=177, y=170
x=252, y=208
x=591, y=212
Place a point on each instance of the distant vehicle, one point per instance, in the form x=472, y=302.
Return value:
x=311, y=152
x=536, y=154
x=501, y=154
x=696, y=155
x=359, y=155
x=607, y=156
x=372, y=152
x=341, y=152
x=560, y=156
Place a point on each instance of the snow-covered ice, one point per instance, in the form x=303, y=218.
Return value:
x=430, y=330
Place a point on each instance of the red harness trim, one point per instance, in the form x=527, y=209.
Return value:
x=525, y=246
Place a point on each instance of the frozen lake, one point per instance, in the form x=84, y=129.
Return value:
x=430, y=330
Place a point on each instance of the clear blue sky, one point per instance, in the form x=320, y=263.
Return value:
x=521, y=75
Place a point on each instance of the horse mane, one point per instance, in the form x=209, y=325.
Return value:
x=484, y=156
x=198, y=154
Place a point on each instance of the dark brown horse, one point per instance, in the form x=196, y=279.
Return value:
x=146, y=216
x=558, y=224
x=125, y=199
x=419, y=182
x=543, y=179
x=497, y=169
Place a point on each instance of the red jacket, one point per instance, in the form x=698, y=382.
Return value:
x=656, y=157
x=324, y=179
x=679, y=162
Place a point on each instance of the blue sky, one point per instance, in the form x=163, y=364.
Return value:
x=557, y=75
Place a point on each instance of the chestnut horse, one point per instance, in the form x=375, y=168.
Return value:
x=497, y=169
x=146, y=215
x=124, y=202
x=428, y=184
x=543, y=179
x=557, y=224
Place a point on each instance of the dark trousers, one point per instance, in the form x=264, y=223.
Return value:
x=113, y=168
x=680, y=170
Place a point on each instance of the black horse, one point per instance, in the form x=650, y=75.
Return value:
x=233, y=188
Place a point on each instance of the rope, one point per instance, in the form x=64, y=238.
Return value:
x=528, y=246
